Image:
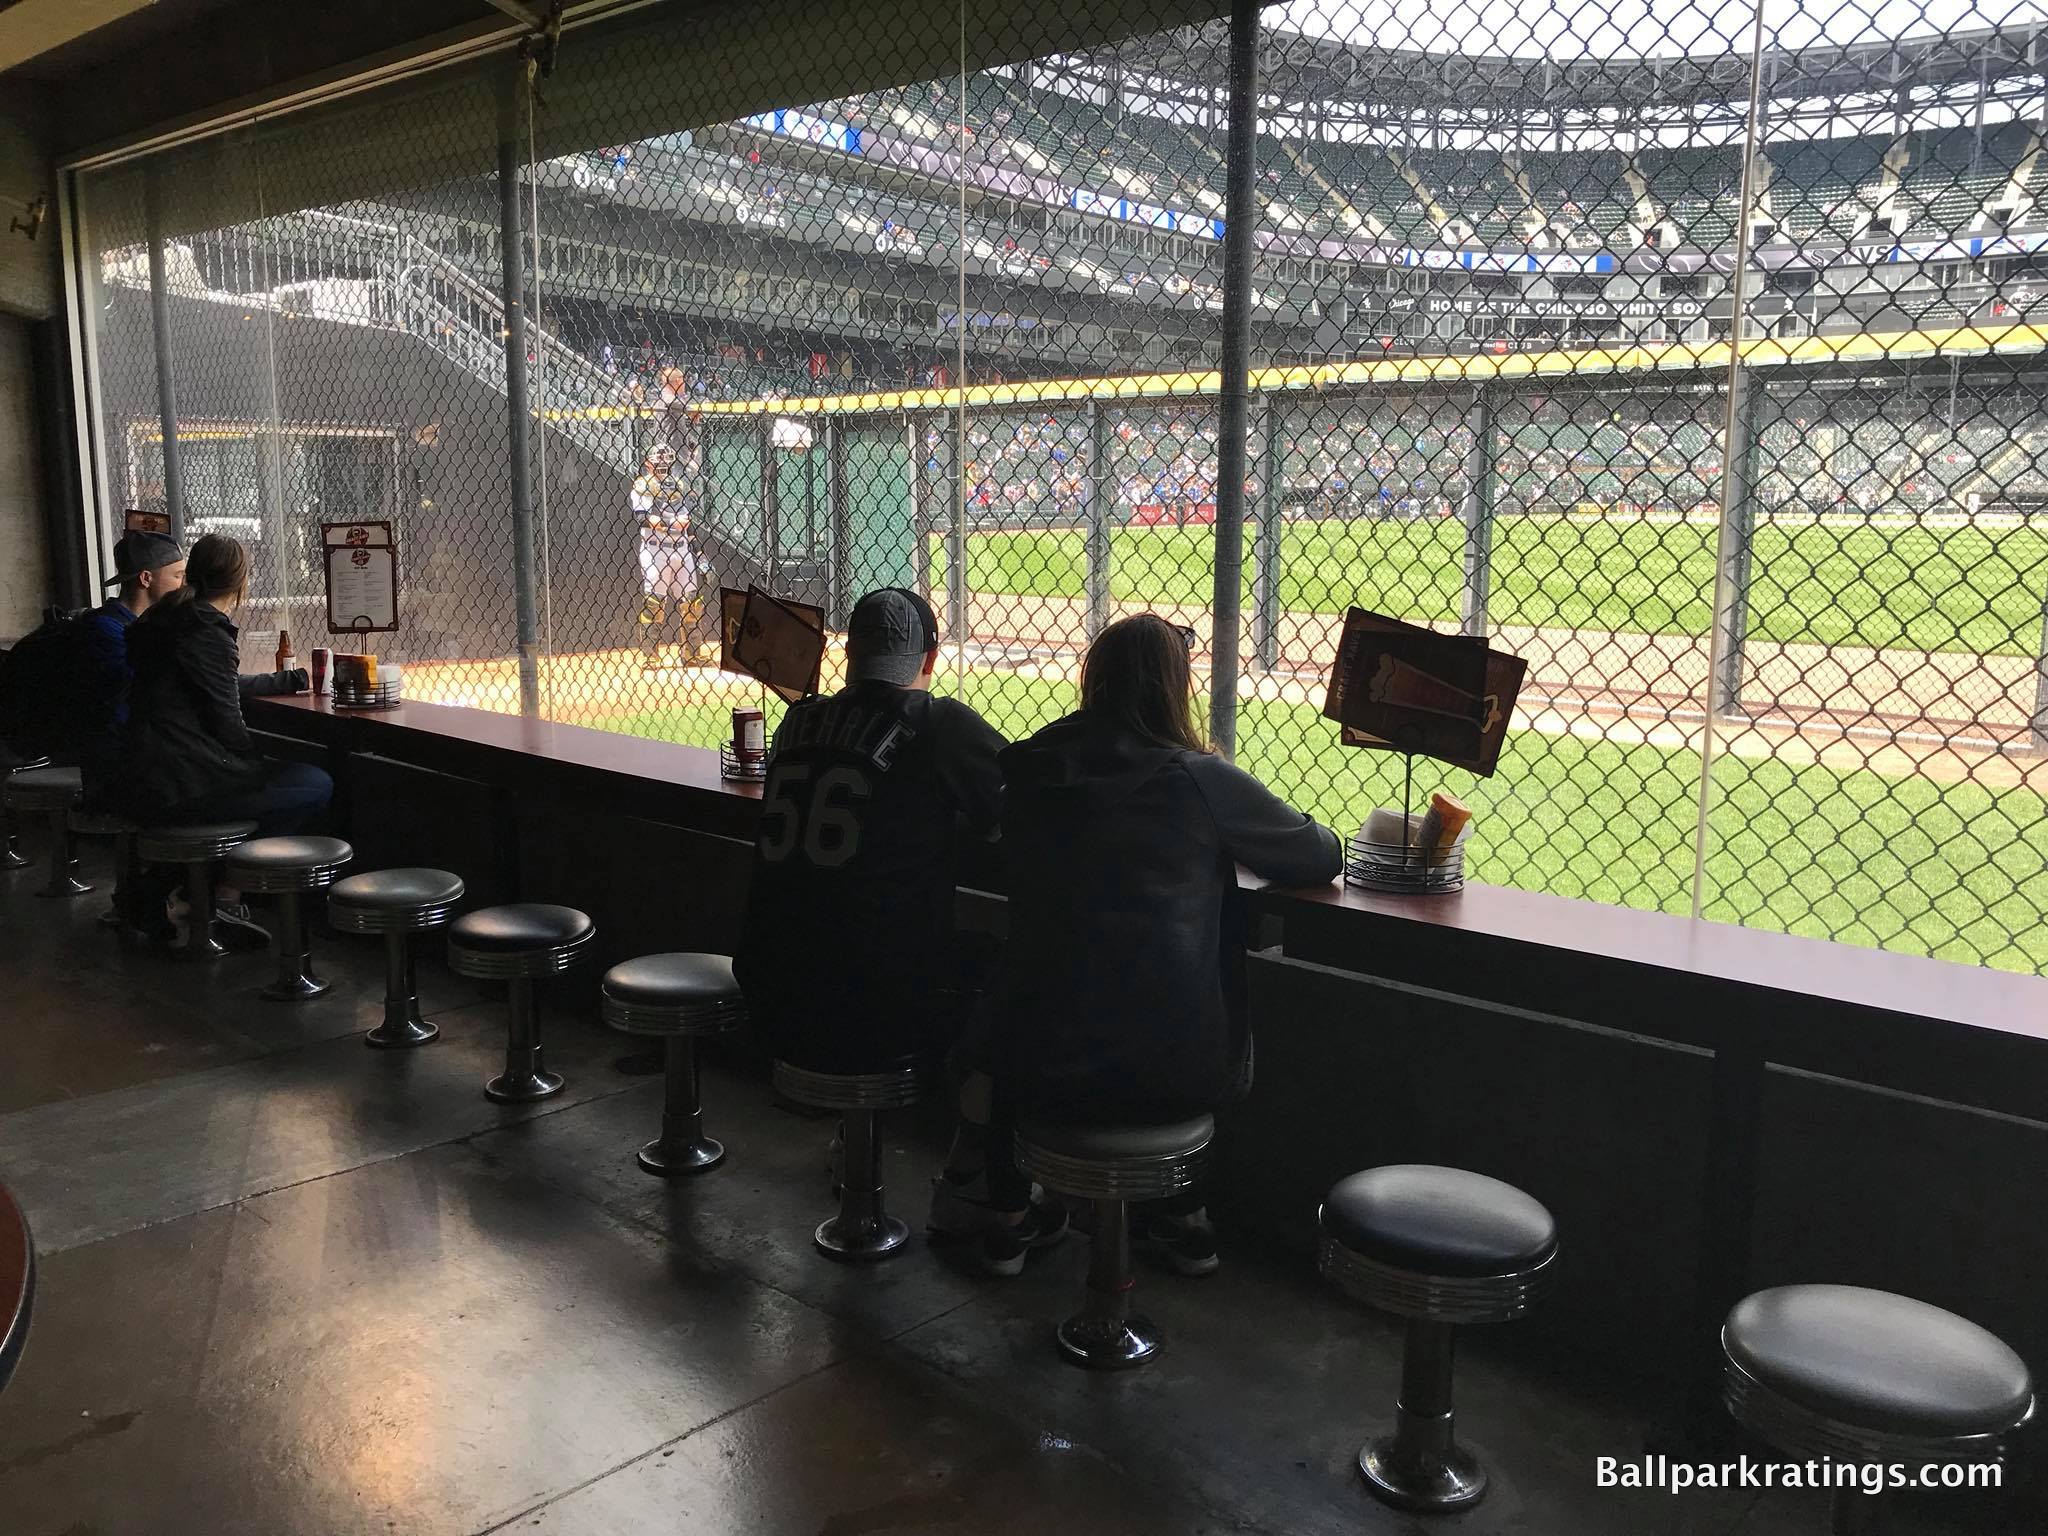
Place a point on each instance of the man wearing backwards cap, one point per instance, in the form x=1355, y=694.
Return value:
x=92, y=678
x=147, y=566
x=849, y=955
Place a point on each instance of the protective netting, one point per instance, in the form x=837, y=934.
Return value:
x=1756, y=487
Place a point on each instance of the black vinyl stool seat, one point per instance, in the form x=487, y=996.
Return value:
x=288, y=867
x=519, y=944
x=1439, y=1247
x=1841, y=1373
x=1112, y=1165
x=681, y=998
x=862, y=1231
x=396, y=903
x=198, y=846
x=51, y=793
x=10, y=820
x=86, y=823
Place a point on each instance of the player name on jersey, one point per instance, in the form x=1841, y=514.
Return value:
x=840, y=724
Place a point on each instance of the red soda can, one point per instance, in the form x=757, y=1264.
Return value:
x=323, y=658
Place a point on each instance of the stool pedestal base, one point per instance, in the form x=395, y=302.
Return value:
x=1104, y=1344
x=862, y=1232
x=1103, y=1336
x=402, y=1027
x=295, y=979
x=200, y=944
x=860, y=1239
x=669, y=1160
x=400, y=1031
x=10, y=832
x=63, y=881
x=1419, y=1466
x=682, y=1148
x=524, y=1078
x=1451, y=1480
x=524, y=1087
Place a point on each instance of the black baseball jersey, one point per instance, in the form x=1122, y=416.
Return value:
x=847, y=949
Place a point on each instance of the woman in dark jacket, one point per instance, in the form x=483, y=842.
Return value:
x=1123, y=994
x=187, y=755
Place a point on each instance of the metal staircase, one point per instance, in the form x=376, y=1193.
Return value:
x=365, y=271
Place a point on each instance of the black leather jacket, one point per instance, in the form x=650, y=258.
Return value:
x=185, y=738
x=1124, y=979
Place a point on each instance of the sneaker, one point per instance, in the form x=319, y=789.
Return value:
x=236, y=930
x=1004, y=1245
x=1184, y=1244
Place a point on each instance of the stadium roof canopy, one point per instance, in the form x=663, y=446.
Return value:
x=1351, y=77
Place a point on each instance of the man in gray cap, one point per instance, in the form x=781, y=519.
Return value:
x=849, y=955
x=147, y=566
x=868, y=793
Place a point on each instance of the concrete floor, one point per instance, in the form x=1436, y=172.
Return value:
x=293, y=1287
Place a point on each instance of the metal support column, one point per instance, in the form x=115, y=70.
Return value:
x=921, y=460
x=272, y=445
x=1101, y=500
x=1738, y=535
x=2040, y=720
x=954, y=509
x=1477, y=515
x=1233, y=417
x=1267, y=553
x=838, y=523
x=518, y=410
x=769, y=488
x=160, y=332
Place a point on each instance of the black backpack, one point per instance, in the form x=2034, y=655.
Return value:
x=35, y=682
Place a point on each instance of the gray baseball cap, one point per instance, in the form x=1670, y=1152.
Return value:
x=888, y=636
x=137, y=551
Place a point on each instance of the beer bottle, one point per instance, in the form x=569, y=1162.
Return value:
x=285, y=659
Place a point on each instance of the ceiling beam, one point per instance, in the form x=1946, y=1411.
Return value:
x=32, y=27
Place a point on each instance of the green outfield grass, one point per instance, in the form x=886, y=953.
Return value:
x=1906, y=864
x=1913, y=588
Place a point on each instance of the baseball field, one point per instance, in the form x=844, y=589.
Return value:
x=1884, y=584
x=1955, y=869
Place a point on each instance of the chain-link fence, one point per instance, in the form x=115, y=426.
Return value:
x=1690, y=356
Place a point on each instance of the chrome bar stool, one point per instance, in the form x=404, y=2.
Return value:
x=288, y=868
x=51, y=793
x=1838, y=1373
x=1112, y=1165
x=396, y=903
x=10, y=819
x=198, y=847
x=681, y=998
x=121, y=831
x=519, y=944
x=1440, y=1247
x=862, y=1231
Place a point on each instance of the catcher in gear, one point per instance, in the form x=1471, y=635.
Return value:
x=671, y=571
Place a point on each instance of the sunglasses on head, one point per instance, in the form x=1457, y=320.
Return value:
x=1187, y=634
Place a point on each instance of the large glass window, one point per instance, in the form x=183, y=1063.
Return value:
x=1693, y=357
